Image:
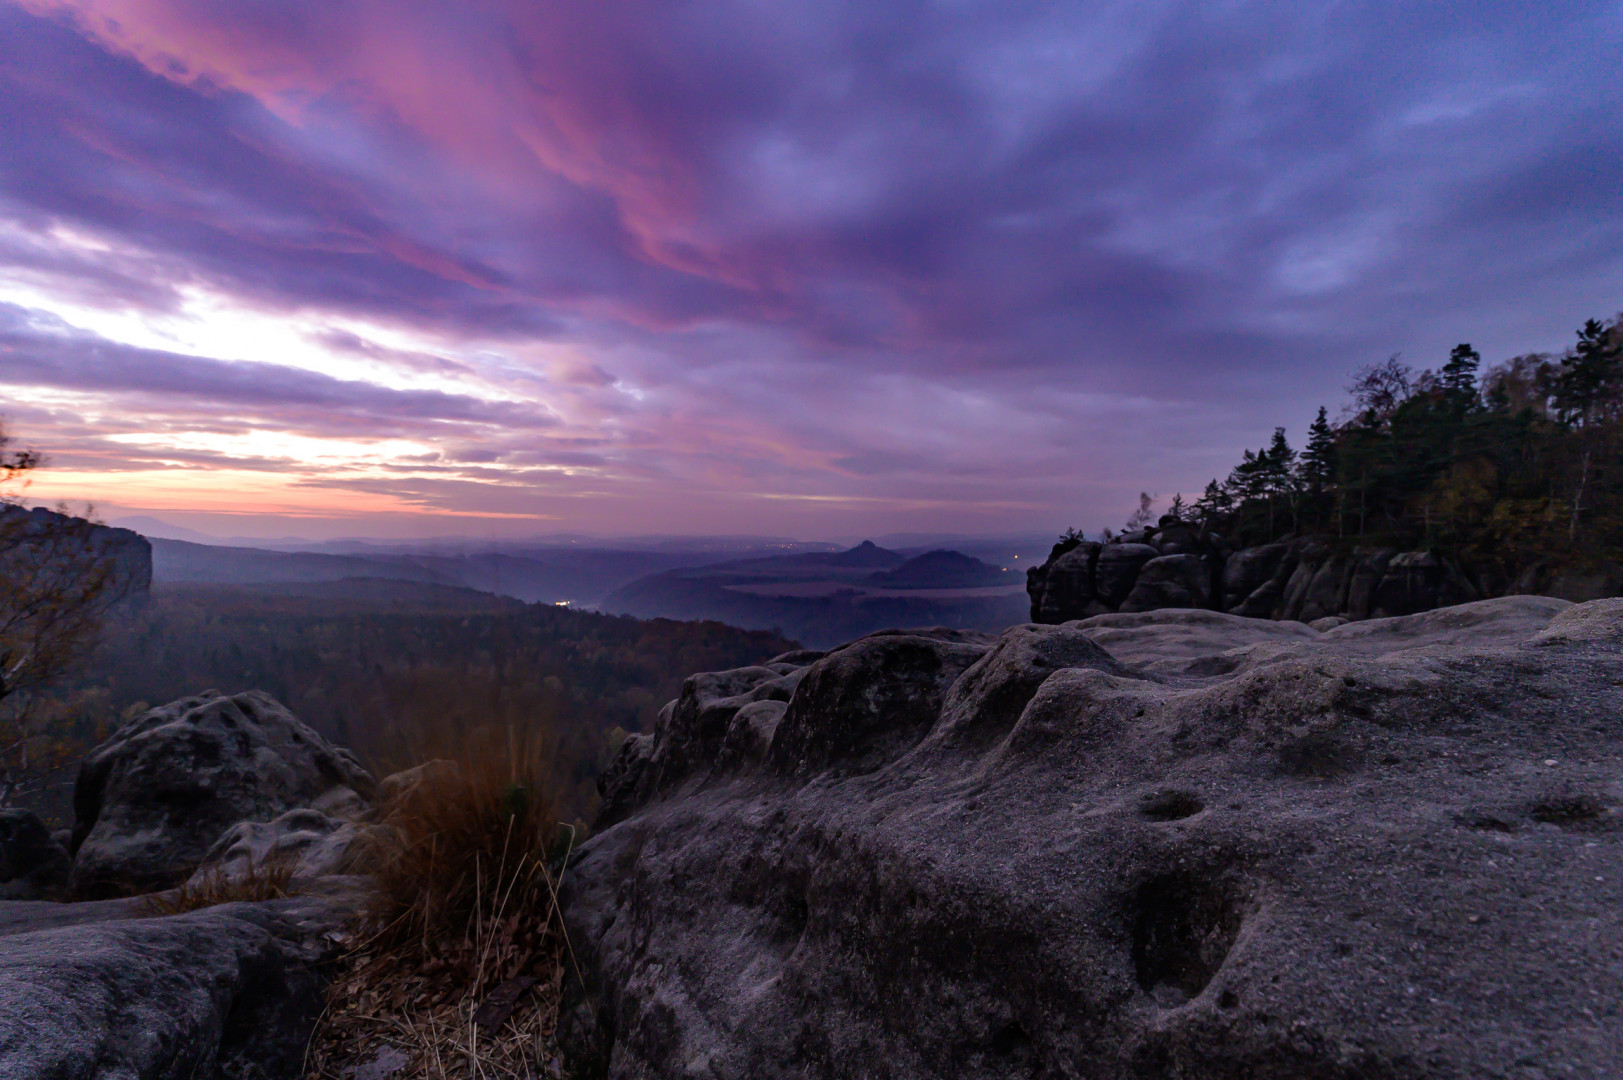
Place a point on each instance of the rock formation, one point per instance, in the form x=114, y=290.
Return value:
x=93, y=991
x=128, y=553
x=1177, y=843
x=33, y=866
x=1305, y=579
x=153, y=800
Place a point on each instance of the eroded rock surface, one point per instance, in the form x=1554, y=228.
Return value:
x=1390, y=850
x=94, y=992
x=152, y=801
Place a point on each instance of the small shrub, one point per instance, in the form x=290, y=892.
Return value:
x=460, y=950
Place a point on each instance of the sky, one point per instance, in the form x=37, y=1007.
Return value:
x=515, y=267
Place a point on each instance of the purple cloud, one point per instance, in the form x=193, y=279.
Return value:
x=972, y=256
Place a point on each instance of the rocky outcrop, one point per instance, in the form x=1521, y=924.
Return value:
x=307, y=842
x=152, y=801
x=231, y=991
x=1177, y=566
x=79, y=545
x=1176, y=843
x=33, y=866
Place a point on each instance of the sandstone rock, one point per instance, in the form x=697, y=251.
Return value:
x=33, y=865
x=1418, y=581
x=1346, y=858
x=231, y=991
x=1247, y=573
x=1067, y=588
x=1169, y=581
x=1326, y=593
x=1366, y=578
x=1146, y=638
x=152, y=801
x=749, y=735
x=869, y=702
x=984, y=703
x=311, y=844
x=1328, y=622
x=1117, y=568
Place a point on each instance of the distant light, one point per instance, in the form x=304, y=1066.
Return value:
x=1017, y=556
x=562, y=603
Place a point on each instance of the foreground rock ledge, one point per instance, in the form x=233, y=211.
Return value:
x=1384, y=854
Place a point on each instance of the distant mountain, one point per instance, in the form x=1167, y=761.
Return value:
x=823, y=599
x=941, y=570
x=867, y=554
x=579, y=576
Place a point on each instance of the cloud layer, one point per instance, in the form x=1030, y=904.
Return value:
x=783, y=267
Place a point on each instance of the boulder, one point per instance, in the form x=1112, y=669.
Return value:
x=1369, y=569
x=1381, y=854
x=1245, y=573
x=154, y=799
x=33, y=864
x=1170, y=581
x=1066, y=586
x=307, y=842
x=1326, y=592
x=230, y=991
x=1117, y=569
x=869, y=702
x=1419, y=581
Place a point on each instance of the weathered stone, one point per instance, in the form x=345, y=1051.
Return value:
x=33, y=865
x=1366, y=578
x=1067, y=587
x=1170, y=581
x=1248, y=570
x=1326, y=593
x=1118, y=877
x=749, y=736
x=1419, y=581
x=231, y=991
x=152, y=800
x=869, y=702
x=307, y=842
x=1117, y=569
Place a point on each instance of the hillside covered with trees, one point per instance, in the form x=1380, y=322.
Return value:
x=1515, y=469
x=392, y=681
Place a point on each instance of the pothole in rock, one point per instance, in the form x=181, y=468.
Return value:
x=1170, y=805
x=1183, y=928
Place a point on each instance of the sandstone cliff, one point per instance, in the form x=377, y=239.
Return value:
x=1306, y=579
x=1167, y=844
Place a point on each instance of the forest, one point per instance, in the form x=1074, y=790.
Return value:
x=1512, y=468
x=392, y=683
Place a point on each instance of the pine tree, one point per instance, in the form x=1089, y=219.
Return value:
x=1458, y=376
x=1317, y=469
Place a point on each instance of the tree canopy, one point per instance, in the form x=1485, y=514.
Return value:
x=1508, y=466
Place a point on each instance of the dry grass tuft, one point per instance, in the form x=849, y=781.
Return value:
x=268, y=880
x=460, y=955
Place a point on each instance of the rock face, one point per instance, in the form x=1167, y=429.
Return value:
x=127, y=554
x=1176, y=566
x=1167, y=844
x=311, y=844
x=33, y=866
x=231, y=991
x=154, y=799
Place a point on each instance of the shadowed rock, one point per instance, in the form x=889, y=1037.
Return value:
x=1378, y=852
x=151, y=801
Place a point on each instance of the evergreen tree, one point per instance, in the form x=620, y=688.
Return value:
x=1316, y=470
x=1458, y=377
